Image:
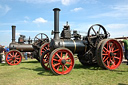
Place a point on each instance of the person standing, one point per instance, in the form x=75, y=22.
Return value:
x=126, y=49
x=25, y=55
x=2, y=54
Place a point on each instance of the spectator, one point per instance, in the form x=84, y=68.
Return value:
x=2, y=57
x=25, y=55
x=6, y=49
x=126, y=49
x=0, y=54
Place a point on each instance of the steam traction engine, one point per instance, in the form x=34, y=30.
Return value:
x=95, y=48
x=40, y=44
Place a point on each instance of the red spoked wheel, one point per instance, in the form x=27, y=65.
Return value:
x=109, y=54
x=43, y=48
x=45, y=60
x=13, y=57
x=61, y=61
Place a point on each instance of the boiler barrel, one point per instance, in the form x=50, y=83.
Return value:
x=76, y=46
x=21, y=47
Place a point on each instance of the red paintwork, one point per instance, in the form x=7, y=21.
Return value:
x=112, y=61
x=57, y=58
x=13, y=57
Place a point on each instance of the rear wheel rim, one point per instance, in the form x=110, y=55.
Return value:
x=112, y=54
x=62, y=61
x=45, y=61
x=44, y=48
x=13, y=58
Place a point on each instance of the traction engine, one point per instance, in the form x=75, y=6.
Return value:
x=94, y=48
x=36, y=46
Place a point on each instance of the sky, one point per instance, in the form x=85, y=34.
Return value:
x=36, y=16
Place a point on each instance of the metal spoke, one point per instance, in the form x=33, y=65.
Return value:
x=115, y=50
x=15, y=54
x=58, y=55
x=67, y=58
x=112, y=62
x=62, y=68
x=99, y=30
x=61, y=55
x=106, y=49
x=94, y=31
x=41, y=36
x=105, y=59
x=65, y=66
x=108, y=63
x=117, y=57
x=58, y=67
x=47, y=64
x=56, y=64
x=55, y=60
x=104, y=54
x=10, y=54
x=68, y=63
x=65, y=55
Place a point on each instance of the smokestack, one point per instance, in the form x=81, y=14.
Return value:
x=56, y=23
x=13, y=33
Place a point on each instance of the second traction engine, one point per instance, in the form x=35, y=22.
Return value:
x=95, y=48
x=36, y=47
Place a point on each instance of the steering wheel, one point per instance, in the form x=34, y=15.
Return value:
x=40, y=39
x=96, y=33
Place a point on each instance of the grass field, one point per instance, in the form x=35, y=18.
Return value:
x=30, y=72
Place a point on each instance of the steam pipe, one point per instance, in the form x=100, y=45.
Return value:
x=13, y=33
x=56, y=23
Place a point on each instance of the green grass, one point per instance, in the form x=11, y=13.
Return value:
x=30, y=72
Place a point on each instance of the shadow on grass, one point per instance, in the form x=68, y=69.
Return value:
x=96, y=67
x=4, y=64
x=122, y=84
x=91, y=67
x=41, y=71
x=29, y=62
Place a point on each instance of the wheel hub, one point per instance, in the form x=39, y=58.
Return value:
x=111, y=54
x=13, y=58
x=63, y=61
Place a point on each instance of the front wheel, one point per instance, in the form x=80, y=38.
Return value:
x=13, y=57
x=61, y=61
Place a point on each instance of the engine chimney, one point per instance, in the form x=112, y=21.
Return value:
x=13, y=33
x=56, y=23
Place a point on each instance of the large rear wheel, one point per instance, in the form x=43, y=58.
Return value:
x=109, y=54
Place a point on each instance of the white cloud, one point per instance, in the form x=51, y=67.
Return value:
x=39, y=1
x=26, y=17
x=64, y=2
x=4, y=9
x=117, y=12
x=40, y=20
x=17, y=34
x=77, y=9
x=68, y=2
x=25, y=21
x=120, y=7
x=90, y=1
x=117, y=30
x=116, y=26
